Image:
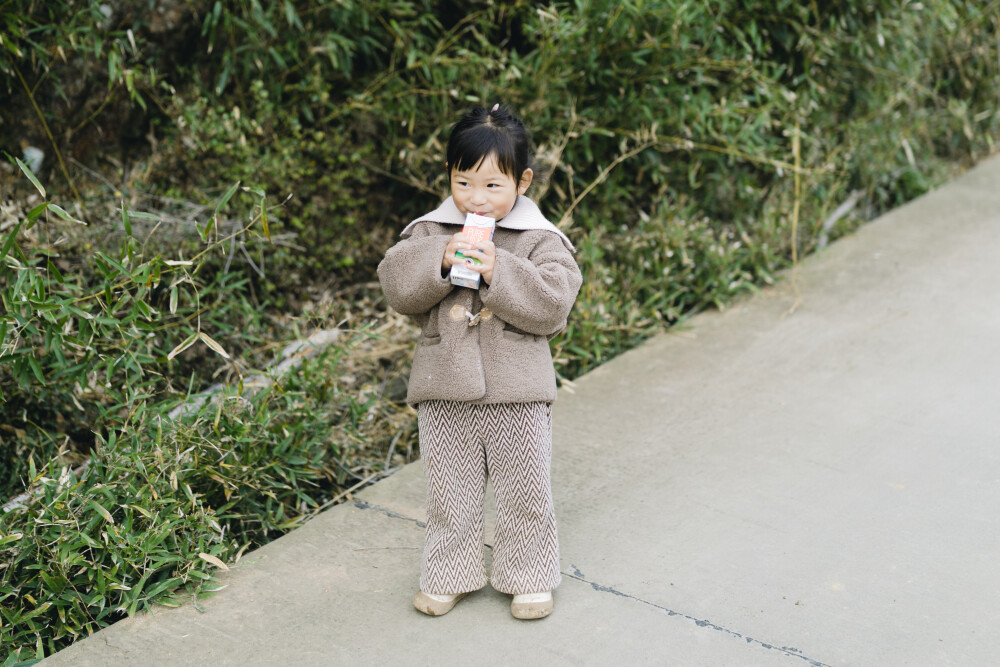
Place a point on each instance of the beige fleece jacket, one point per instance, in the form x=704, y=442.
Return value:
x=504, y=357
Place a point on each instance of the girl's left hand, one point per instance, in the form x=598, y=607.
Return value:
x=486, y=252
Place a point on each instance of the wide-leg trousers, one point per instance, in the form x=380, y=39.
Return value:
x=462, y=444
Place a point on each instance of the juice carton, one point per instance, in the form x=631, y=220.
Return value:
x=477, y=228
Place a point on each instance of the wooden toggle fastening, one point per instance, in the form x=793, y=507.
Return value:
x=458, y=312
x=483, y=315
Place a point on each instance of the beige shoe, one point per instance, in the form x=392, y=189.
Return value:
x=531, y=605
x=436, y=605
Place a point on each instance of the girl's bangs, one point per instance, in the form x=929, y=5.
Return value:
x=475, y=144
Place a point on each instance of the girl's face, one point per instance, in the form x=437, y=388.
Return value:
x=486, y=190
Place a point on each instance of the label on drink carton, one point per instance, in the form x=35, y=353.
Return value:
x=477, y=228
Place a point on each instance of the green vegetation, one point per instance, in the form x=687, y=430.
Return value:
x=163, y=489
x=242, y=166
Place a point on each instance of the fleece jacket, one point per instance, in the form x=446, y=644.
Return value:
x=501, y=356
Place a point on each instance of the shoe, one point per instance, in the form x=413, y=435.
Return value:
x=531, y=605
x=436, y=605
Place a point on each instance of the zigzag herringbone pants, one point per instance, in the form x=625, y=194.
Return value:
x=462, y=443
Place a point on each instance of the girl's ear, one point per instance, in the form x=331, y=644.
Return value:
x=522, y=187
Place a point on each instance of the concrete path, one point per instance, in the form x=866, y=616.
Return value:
x=811, y=477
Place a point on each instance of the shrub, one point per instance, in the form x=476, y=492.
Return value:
x=345, y=106
x=162, y=502
x=79, y=351
x=162, y=495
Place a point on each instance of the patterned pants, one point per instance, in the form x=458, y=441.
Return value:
x=462, y=443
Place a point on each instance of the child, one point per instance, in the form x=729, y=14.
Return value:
x=482, y=377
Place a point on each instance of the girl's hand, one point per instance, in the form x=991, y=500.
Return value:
x=458, y=242
x=486, y=252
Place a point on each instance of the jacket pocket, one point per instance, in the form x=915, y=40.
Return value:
x=514, y=334
x=433, y=339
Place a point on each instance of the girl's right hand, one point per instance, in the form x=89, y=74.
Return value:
x=458, y=242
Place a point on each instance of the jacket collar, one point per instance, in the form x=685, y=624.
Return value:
x=524, y=216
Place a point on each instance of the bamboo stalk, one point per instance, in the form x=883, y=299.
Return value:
x=48, y=132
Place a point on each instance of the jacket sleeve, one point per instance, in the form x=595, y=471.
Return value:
x=534, y=294
x=410, y=272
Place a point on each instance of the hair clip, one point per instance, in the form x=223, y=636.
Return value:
x=495, y=107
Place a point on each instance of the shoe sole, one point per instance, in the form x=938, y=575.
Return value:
x=433, y=607
x=531, y=611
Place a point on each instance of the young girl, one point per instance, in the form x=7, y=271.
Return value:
x=482, y=377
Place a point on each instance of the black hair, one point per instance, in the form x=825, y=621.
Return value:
x=480, y=133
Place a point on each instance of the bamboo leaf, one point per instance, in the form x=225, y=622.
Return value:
x=34, y=612
x=31, y=176
x=11, y=238
x=36, y=213
x=162, y=586
x=212, y=344
x=263, y=209
x=102, y=511
x=225, y=200
x=54, y=270
x=290, y=14
x=36, y=369
x=13, y=537
x=112, y=263
x=209, y=558
x=125, y=219
x=188, y=342
x=64, y=215
x=139, y=215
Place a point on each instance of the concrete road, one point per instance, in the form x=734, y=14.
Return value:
x=811, y=477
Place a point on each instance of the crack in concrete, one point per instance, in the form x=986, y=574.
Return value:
x=362, y=505
x=579, y=576
x=114, y=646
x=701, y=623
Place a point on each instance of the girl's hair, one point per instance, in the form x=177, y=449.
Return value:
x=480, y=133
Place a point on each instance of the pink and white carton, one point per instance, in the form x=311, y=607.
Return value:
x=477, y=228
